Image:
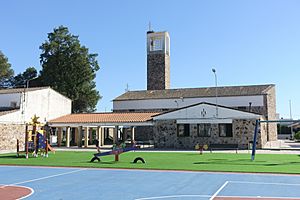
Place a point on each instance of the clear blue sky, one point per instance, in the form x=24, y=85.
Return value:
x=248, y=42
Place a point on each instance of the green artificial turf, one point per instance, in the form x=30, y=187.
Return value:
x=272, y=163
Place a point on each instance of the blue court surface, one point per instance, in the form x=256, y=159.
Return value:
x=82, y=183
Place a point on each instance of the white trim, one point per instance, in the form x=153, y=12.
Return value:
x=101, y=124
x=205, y=111
x=204, y=121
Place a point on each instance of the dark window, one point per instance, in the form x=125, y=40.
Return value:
x=242, y=108
x=183, y=130
x=13, y=104
x=204, y=130
x=225, y=130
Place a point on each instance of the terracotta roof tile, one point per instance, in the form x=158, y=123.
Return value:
x=105, y=118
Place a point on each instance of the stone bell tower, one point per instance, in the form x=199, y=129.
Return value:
x=158, y=60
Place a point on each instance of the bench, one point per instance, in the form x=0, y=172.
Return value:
x=223, y=147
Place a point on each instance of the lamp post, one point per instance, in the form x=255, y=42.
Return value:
x=216, y=84
x=24, y=97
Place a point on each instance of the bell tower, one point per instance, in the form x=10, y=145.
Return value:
x=158, y=60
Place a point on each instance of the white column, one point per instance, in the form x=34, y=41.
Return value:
x=100, y=137
x=132, y=134
x=68, y=137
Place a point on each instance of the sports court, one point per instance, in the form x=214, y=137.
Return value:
x=87, y=183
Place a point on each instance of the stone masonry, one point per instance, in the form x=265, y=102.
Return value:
x=165, y=135
x=9, y=133
x=270, y=99
x=158, y=71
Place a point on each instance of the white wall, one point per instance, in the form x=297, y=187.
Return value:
x=46, y=104
x=59, y=105
x=204, y=112
x=235, y=101
x=6, y=99
x=13, y=117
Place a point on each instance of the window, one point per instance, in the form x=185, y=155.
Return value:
x=183, y=130
x=156, y=44
x=225, y=130
x=13, y=104
x=204, y=130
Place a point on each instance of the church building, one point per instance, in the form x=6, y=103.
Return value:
x=177, y=118
x=210, y=115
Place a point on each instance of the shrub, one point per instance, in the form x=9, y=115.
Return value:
x=297, y=135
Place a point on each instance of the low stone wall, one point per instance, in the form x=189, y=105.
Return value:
x=9, y=133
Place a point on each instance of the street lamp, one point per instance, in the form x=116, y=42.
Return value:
x=216, y=84
x=24, y=97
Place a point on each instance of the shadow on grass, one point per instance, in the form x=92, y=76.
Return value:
x=12, y=156
x=243, y=162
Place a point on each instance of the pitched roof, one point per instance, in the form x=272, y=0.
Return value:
x=209, y=104
x=196, y=92
x=19, y=90
x=105, y=118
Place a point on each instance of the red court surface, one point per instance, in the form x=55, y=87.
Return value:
x=8, y=192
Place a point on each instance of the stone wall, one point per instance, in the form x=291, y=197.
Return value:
x=144, y=133
x=158, y=71
x=243, y=132
x=165, y=135
x=9, y=133
x=271, y=111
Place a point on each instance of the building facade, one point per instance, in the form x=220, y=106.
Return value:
x=260, y=100
x=185, y=116
x=18, y=106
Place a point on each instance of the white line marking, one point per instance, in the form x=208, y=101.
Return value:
x=264, y=197
x=46, y=177
x=172, y=196
x=218, y=191
x=266, y=183
x=32, y=191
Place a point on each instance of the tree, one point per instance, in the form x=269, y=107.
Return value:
x=69, y=68
x=22, y=79
x=6, y=72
